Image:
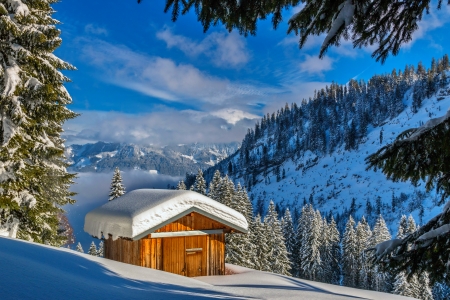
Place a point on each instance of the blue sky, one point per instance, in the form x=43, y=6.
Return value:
x=144, y=79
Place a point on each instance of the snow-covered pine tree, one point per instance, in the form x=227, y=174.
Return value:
x=101, y=249
x=334, y=245
x=363, y=235
x=92, y=249
x=424, y=287
x=79, y=248
x=117, y=189
x=181, y=185
x=401, y=285
x=441, y=291
x=412, y=227
x=226, y=191
x=34, y=185
x=239, y=249
x=311, y=263
x=349, y=254
x=259, y=238
x=278, y=260
x=214, y=185
x=402, y=229
x=289, y=233
x=381, y=280
x=200, y=183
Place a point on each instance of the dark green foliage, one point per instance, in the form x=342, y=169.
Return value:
x=418, y=154
x=33, y=106
x=386, y=24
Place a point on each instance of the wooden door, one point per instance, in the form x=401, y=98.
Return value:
x=196, y=256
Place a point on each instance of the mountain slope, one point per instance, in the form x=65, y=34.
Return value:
x=315, y=152
x=168, y=160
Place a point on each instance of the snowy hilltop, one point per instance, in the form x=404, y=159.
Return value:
x=168, y=160
x=57, y=273
x=315, y=152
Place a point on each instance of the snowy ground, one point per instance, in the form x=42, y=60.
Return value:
x=32, y=271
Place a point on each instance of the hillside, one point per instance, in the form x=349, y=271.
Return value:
x=167, y=160
x=315, y=152
x=34, y=271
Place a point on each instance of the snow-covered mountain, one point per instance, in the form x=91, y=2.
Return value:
x=169, y=160
x=315, y=152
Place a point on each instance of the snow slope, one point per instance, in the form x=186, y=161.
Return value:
x=332, y=181
x=33, y=271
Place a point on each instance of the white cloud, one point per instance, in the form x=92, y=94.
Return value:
x=162, y=127
x=232, y=116
x=314, y=65
x=435, y=19
x=223, y=49
x=96, y=30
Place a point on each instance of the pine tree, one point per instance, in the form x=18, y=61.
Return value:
x=349, y=255
x=382, y=280
x=117, y=189
x=278, y=258
x=239, y=249
x=288, y=233
x=214, y=185
x=424, y=288
x=334, y=260
x=101, y=249
x=34, y=185
x=79, y=248
x=401, y=285
x=92, y=249
x=385, y=24
x=200, y=183
x=311, y=263
x=181, y=186
x=402, y=227
x=259, y=238
x=363, y=235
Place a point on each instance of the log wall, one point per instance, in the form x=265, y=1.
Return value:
x=189, y=256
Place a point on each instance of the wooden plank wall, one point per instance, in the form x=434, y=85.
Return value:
x=169, y=254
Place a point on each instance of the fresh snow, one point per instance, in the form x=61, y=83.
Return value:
x=142, y=210
x=33, y=271
x=339, y=177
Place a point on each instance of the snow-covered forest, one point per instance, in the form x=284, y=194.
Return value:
x=310, y=246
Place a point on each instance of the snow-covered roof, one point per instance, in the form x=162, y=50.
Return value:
x=140, y=212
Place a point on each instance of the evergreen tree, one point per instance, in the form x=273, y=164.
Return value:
x=363, y=235
x=401, y=285
x=261, y=258
x=213, y=191
x=402, y=228
x=349, y=254
x=101, y=249
x=424, y=288
x=382, y=280
x=289, y=234
x=311, y=262
x=278, y=256
x=34, y=185
x=333, y=258
x=200, y=183
x=239, y=248
x=79, y=248
x=181, y=185
x=385, y=24
x=117, y=189
x=92, y=249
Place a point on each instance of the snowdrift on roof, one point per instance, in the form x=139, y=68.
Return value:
x=141, y=212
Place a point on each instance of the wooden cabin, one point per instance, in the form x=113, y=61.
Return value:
x=181, y=232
